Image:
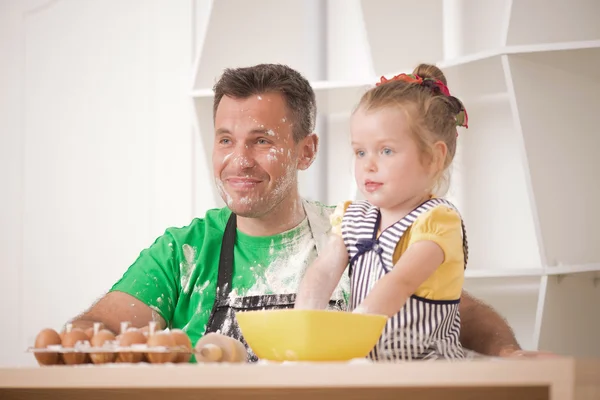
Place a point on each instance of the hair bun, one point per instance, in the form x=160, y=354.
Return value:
x=430, y=71
x=455, y=104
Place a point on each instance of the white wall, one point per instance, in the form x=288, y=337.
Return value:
x=10, y=180
x=95, y=150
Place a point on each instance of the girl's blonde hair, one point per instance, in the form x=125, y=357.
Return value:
x=431, y=113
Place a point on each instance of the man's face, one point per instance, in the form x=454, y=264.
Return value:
x=255, y=158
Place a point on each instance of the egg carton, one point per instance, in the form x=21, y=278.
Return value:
x=111, y=348
x=81, y=347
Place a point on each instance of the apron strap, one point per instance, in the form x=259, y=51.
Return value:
x=218, y=313
x=318, y=223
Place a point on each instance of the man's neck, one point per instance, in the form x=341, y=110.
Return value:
x=285, y=216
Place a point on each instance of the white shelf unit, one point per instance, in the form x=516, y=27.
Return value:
x=555, y=97
x=570, y=321
x=524, y=178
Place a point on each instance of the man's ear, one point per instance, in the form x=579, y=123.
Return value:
x=308, y=151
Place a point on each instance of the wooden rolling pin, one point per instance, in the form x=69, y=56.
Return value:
x=214, y=347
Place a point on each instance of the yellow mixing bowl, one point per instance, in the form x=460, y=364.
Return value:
x=310, y=335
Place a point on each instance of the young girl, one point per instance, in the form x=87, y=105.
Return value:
x=406, y=248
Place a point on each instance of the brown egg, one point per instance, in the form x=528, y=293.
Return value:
x=145, y=330
x=127, y=339
x=182, y=340
x=161, y=339
x=98, y=340
x=47, y=337
x=89, y=332
x=70, y=338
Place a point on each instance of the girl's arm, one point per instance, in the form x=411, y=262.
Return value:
x=390, y=293
x=323, y=275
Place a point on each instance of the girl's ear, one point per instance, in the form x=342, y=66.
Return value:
x=440, y=151
x=308, y=151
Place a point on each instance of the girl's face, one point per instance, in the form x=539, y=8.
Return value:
x=389, y=168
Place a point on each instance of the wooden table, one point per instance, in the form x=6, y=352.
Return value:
x=560, y=378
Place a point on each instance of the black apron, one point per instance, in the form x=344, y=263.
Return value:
x=222, y=318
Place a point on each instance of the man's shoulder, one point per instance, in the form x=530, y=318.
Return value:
x=214, y=220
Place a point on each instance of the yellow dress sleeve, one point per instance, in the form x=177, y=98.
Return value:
x=441, y=225
x=336, y=217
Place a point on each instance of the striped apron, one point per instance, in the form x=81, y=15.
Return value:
x=423, y=329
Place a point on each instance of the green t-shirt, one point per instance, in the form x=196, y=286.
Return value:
x=177, y=275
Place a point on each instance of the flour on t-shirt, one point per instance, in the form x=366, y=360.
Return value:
x=291, y=259
x=288, y=264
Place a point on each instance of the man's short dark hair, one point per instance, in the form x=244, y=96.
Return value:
x=299, y=96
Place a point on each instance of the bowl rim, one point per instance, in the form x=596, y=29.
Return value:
x=312, y=311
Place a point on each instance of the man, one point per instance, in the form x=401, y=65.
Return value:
x=252, y=253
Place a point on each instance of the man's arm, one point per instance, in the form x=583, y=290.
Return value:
x=146, y=291
x=116, y=307
x=483, y=330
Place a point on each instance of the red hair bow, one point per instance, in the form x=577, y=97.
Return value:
x=462, y=118
x=410, y=78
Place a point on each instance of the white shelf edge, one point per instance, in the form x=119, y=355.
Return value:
x=520, y=49
x=483, y=99
x=202, y=93
x=316, y=85
x=531, y=272
x=324, y=85
x=332, y=85
x=572, y=269
x=503, y=273
x=558, y=46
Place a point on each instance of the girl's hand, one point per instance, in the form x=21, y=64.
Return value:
x=323, y=275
